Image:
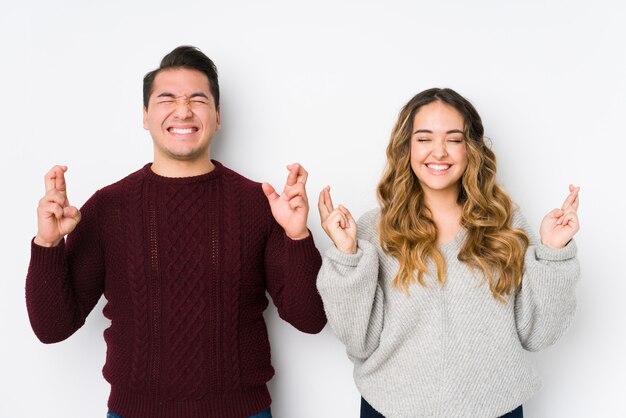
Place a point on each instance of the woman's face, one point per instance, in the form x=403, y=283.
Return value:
x=438, y=148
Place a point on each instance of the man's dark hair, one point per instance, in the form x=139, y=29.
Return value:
x=188, y=57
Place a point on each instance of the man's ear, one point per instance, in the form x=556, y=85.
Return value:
x=145, y=118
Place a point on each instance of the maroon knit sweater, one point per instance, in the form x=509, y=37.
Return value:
x=184, y=264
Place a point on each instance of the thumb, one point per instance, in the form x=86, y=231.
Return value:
x=72, y=212
x=71, y=218
x=556, y=213
x=348, y=215
x=270, y=192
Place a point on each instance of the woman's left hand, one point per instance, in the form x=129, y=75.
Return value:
x=560, y=225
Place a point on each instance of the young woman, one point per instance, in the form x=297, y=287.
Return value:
x=437, y=294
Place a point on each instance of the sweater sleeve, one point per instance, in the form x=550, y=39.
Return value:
x=546, y=302
x=353, y=298
x=291, y=268
x=64, y=283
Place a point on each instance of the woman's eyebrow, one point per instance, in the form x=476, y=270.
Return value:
x=428, y=131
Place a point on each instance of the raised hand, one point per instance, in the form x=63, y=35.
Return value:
x=338, y=223
x=291, y=208
x=55, y=217
x=560, y=225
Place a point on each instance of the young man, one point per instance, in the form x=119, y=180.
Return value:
x=183, y=250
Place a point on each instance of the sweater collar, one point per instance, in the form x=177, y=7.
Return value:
x=455, y=245
x=213, y=174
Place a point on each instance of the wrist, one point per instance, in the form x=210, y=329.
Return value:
x=43, y=243
x=298, y=236
x=347, y=250
x=553, y=246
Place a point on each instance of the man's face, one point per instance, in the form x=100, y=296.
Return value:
x=181, y=115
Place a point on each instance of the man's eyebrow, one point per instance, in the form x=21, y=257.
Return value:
x=173, y=96
x=199, y=94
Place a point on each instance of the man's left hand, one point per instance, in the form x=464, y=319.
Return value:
x=291, y=208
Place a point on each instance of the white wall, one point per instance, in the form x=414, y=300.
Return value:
x=320, y=84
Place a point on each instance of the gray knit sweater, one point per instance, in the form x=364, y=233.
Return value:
x=448, y=351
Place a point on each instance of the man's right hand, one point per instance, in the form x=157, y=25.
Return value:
x=55, y=217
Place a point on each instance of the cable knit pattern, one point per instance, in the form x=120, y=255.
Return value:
x=187, y=269
x=136, y=278
x=232, y=245
x=445, y=351
x=170, y=256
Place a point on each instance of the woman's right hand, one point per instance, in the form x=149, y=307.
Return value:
x=338, y=223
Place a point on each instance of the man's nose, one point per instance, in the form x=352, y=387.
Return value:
x=183, y=109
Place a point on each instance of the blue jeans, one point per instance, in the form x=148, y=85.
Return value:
x=263, y=414
x=367, y=411
x=516, y=413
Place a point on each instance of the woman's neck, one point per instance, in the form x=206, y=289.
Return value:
x=446, y=213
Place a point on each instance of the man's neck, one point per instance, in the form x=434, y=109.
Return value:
x=181, y=168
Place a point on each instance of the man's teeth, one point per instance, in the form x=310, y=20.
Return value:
x=438, y=167
x=181, y=131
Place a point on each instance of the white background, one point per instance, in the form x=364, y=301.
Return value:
x=321, y=84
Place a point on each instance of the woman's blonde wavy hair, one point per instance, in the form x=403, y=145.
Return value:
x=407, y=230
